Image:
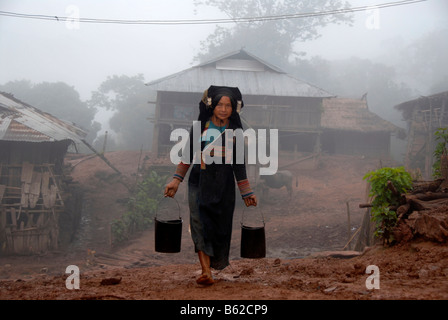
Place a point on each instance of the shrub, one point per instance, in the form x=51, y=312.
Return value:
x=385, y=198
x=441, y=149
x=142, y=207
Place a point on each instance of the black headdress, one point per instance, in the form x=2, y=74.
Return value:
x=211, y=98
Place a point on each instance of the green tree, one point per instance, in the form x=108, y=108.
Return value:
x=425, y=61
x=271, y=40
x=128, y=97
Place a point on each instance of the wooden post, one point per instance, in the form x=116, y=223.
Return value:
x=104, y=144
x=428, y=158
x=101, y=156
x=156, y=128
x=348, y=224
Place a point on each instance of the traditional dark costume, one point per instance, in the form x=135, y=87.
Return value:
x=211, y=187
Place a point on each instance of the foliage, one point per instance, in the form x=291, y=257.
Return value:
x=142, y=207
x=441, y=148
x=384, y=198
x=127, y=97
x=273, y=39
x=119, y=232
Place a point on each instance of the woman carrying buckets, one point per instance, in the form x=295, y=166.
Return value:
x=211, y=186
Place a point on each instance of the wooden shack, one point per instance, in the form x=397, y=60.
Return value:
x=424, y=116
x=33, y=197
x=272, y=99
x=349, y=127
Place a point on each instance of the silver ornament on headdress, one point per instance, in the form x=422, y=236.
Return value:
x=238, y=106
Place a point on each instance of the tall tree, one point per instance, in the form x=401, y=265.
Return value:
x=128, y=98
x=425, y=62
x=272, y=40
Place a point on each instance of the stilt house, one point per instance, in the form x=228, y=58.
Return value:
x=424, y=116
x=272, y=99
x=309, y=119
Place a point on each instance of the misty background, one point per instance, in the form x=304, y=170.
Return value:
x=93, y=74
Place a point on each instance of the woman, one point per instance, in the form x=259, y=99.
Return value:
x=211, y=187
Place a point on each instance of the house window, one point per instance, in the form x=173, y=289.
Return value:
x=182, y=112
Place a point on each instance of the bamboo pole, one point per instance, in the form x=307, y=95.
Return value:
x=348, y=222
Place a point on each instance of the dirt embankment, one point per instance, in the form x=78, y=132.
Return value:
x=299, y=234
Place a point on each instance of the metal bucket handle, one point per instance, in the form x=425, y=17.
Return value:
x=262, y=217
x=160, y=200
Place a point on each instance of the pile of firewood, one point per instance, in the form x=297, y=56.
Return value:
x=422, y=212
x=424, y=196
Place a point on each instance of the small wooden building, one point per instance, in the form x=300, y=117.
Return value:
x=424, y=116
x=349, y=127
x=32, y=195
x=272, y=99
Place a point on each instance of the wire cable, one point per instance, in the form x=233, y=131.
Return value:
x=209, y=21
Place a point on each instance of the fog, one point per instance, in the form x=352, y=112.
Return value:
x=83, y=55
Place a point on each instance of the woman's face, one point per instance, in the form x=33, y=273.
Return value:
x=223, y=109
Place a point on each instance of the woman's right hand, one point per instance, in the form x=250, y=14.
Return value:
x=171, y=188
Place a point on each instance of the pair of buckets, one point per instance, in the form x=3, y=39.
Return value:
x=168, y=237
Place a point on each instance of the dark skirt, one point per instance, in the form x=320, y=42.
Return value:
x=211, y=195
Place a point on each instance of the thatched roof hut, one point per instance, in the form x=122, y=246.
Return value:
x=352, y=115
x=349, y=127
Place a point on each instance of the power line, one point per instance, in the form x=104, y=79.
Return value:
x=209, y=21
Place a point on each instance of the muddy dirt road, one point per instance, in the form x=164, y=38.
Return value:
x=299, y=235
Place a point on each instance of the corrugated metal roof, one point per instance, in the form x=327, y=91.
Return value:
x=243, y=54
x=22, y=122
x=19, y=132
x=272, y=81
x=422, y=100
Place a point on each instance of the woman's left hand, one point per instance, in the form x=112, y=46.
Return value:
x=251, y=201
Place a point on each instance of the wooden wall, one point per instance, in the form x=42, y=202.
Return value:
x=31, y=198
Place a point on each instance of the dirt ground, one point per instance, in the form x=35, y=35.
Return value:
x=305, y=238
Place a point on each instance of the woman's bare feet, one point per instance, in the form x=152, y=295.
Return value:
x=206, y=277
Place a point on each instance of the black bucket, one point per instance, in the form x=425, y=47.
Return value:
x=168, y=234
x=253, y=241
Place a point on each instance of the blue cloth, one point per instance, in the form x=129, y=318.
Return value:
x=208, y=134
